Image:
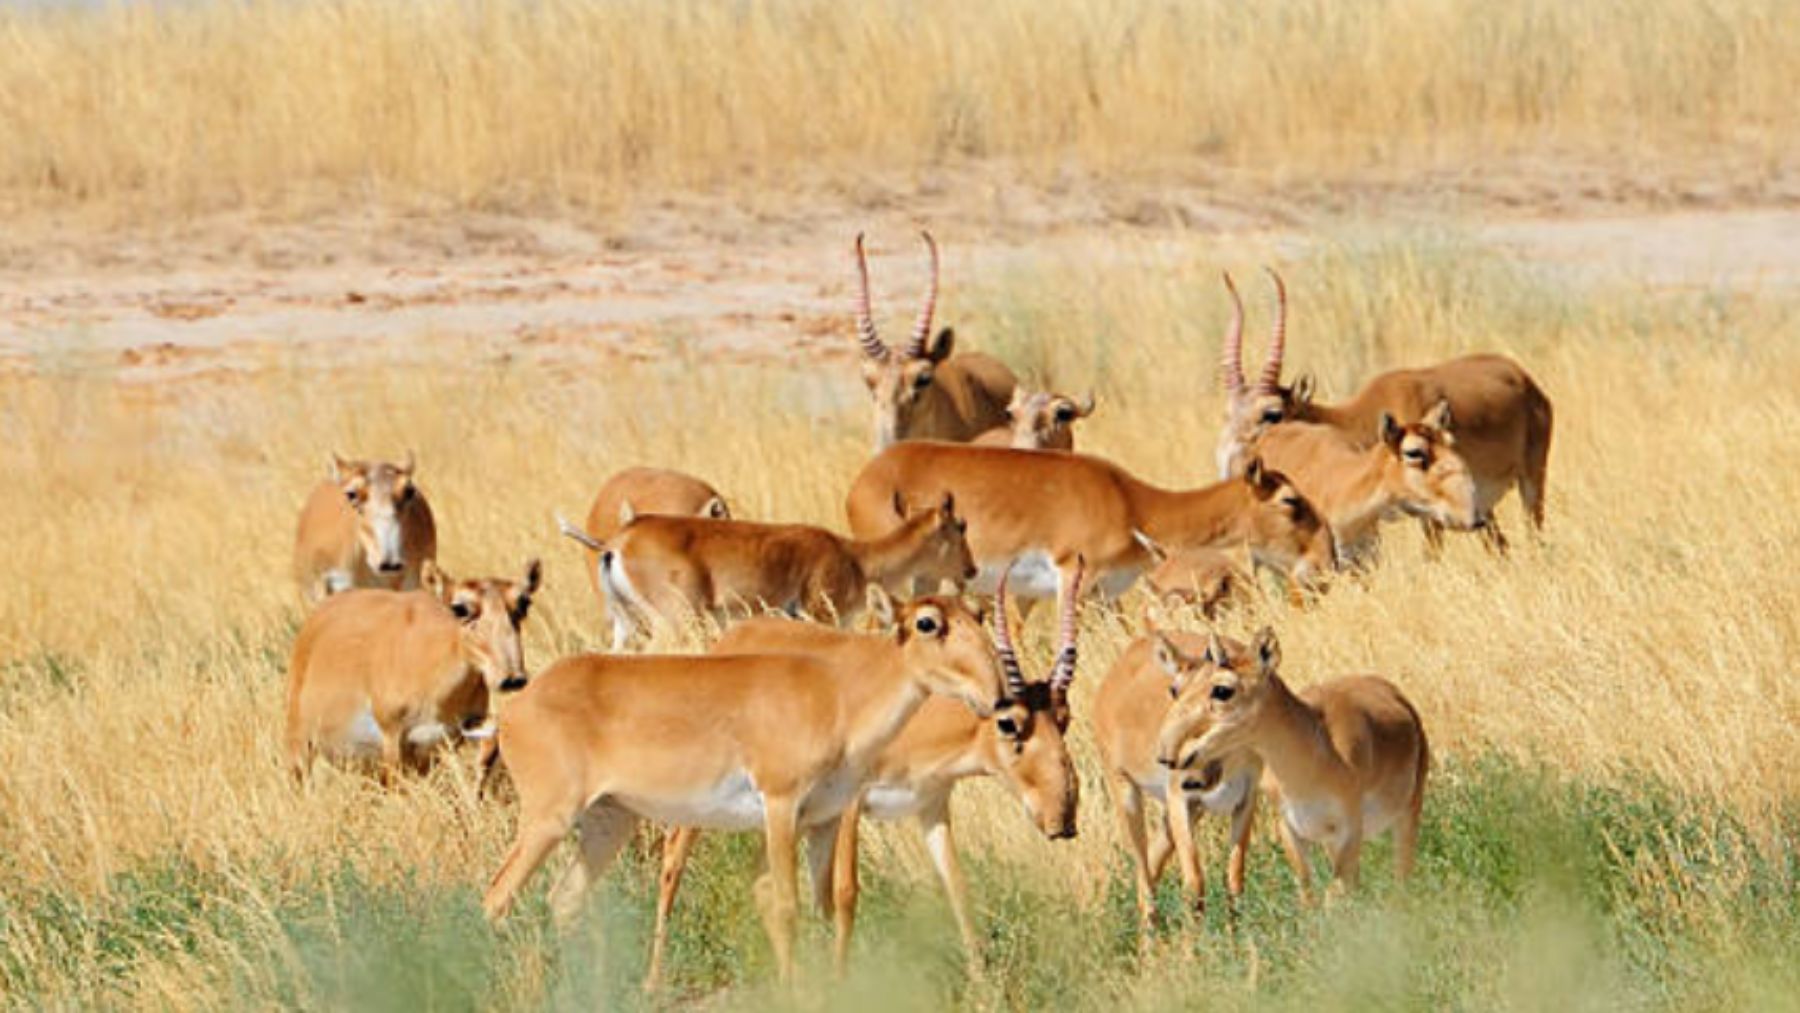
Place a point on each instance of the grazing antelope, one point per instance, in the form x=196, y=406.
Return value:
x=636, y=491
x=944, y=743
x=1503, y=419
x=1209, y=579
x=1414, y=469
x=1047, y=509
x=782, y=742
x=1040, y=420
x=920, y=392
x=1346, y=759
x=1129, y=711
x=390, y=673
x=662, y=566
x=368, y=525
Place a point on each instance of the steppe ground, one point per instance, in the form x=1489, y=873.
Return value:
x=535, y=247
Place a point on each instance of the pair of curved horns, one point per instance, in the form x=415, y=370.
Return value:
x=1232, y=361
x=1062, y=675
x=866, y=336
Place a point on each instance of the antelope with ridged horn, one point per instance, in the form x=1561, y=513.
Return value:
x=1502, y=418
x=921, y=392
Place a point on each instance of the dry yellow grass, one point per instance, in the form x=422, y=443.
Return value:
x=210, y=102
x=148, y=609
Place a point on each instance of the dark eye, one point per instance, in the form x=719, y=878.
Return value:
x=1271, y=415
x=1008, y=727
x=462, y=610
x=927, y=625
x=1415, y=457
x=405, y=495
x=1174, y=691
x=922, y=381
x=1222, y=693
x=1065, y=414
x=962, y=526
x=352, y=495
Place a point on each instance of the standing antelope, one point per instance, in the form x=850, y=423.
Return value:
x=944, y=743
x=1346, y=759
x=368, y=525
x=920, y=392
x=1039, y=420
x=661, y=566
x=1503, y=420
x=782, y=742
x=1129, y=711
x=389, y=673
x=636, y=491
x=1414, y=469
x=1046, y=510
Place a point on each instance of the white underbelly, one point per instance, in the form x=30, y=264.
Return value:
x=733, y=803
x=1321, y=820
x=887, y=803
x=1034, y=575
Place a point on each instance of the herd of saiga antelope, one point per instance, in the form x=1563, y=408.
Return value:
x=798, y=727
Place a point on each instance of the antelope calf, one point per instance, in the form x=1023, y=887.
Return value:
x=1130, y=708
x=1023, y=745
x=367, y=525
x=1047, y=510
x=920, y=392
x=1346, y=759
x=1413, y=469
x=639, y=491
x=783, y=742
x=661, y=566
x=1039, y=420
x=390, y=673
x=1503, y=419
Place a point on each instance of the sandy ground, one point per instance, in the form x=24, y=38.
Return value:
x=229, y=293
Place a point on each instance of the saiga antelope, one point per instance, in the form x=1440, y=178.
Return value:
x=1039, y=420
x=390, y=673
x=1209, y=579
x=367, y=525
x=1129, y=710
x=1346, y=759
x=1046, y=509
x=665, y=566
x=1415, y=469
x=780, y=742
x=638, y=491
x=1503, y=420
x=944, y=743
x=920, y=391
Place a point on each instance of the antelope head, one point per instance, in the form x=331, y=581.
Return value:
x=1217, y=698
x=1031, y=723
x=378, y=493
x=899, y=378
x=490, y=612
x=1045, y=421
x=1285, y=531
x=1435, y=478
x=945, y=647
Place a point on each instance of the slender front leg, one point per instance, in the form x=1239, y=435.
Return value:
x=934, y=822
x=1296, y=856
x=393, y=753
x=1128, y=801
x=777, y=890
x=845, y=886
x=1346, y=855
x=1242, y=819
x=678, y=844
x=605, y=830
x=1180, y=816
x=537, y=837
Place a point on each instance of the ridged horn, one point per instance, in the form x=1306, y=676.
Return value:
x=1003, y=645
x=1231, y=359
x=865, y=317
x=1062, y=675
x=1271, y=374
x=915, y=349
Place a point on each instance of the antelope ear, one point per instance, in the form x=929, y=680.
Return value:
x=1016, y=402
x=435, y=582
x=410, y=464
x=1439, y=418
x=1169, y=657
x=534, y=577
x=947, y=509
x=1302, y=391
x=881, y=605
x=1086, y=405
x=1267, y=650
x=941, y=346
x=716, y=509
x=899, y=504
x=1389, y=431
x=338, y=468
x=1216, y=654
x=1258, y=477
x=626, y=513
